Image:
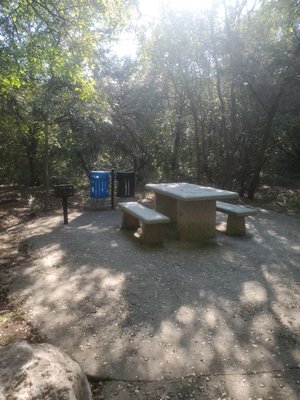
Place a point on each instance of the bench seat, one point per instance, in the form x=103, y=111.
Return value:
x=236, y=216
x=151, y=221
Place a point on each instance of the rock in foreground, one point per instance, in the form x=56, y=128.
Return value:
x=40, y=371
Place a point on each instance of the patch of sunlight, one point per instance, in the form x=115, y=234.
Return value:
x=296, y=355
x=54, y=256
x=263, y=211
x=272, y=273
x=238, y=389
x=185, y=315
x=113, y=284
x=258, y=239
x=211, y=319
x=117, y=351
x=230, y=257
x=253, y=292
x=171, y=351
x=91, y=228
x=6, y=315
x=73, y=215
x=275, y=234
x=297, y=248
x=113, y=281
x=278, y=276
x=291, y=319
x=224, y=345
x=264, y=322
x=85, y=227
x=44, y=225
x=169, y=332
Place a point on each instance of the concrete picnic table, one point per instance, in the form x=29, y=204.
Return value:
x=192, y=208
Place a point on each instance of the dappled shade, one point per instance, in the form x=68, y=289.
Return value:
x=136, y=312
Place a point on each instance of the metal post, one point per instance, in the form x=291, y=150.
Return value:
x=65, y=209
x=112, y=189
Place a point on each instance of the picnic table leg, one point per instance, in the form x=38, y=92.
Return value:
x=235, y=225
x=129, y=222
x=166, y=206
x=151, y=233
x=196, y=220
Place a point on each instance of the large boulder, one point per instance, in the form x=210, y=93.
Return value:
x=40, y=371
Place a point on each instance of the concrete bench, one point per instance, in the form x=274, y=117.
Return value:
x=151, y=221
x=236, y=216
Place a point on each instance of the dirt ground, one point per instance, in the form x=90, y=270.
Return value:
x=179, y=321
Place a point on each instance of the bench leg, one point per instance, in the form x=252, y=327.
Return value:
x=130, y=222
x=235, y=225
x=151, y=233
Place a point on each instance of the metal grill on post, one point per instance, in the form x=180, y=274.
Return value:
x=64, y=191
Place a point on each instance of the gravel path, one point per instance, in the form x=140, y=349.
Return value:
x=226, y=310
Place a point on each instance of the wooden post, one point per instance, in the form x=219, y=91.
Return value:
x=65, y=208
x=112, y=189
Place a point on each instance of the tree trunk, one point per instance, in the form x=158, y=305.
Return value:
x=260, y=159
x=227, y=178
x=227, y=165
x=177, y=139
x=197, y=145
x=46, y=165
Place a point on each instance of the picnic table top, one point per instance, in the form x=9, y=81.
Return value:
x=190, y=192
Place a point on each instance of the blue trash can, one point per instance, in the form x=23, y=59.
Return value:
x=99, y=184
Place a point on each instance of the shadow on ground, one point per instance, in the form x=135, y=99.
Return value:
x=227, y=309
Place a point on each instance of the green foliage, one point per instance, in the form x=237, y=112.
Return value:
x=47, y=51
x=211, y=98
x=225, y=85
x=289, y=201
